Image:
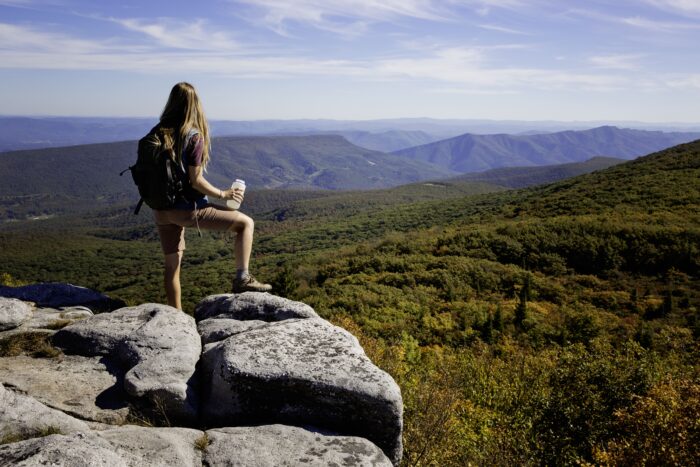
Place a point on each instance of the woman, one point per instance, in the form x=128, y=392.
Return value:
x=184, y=128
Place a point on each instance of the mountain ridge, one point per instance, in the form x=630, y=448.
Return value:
x=473, y=153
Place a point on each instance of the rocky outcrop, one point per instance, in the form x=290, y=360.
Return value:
x=25, y=417
x=157, y=344
x=57, y=295
x=276, y=385
x=13, y=313
x=275, y=445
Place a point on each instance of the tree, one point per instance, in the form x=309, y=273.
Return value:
x=521, y=309
x=498, y=319
x=285, y=284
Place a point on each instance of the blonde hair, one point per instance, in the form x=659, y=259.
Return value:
x=182, y=113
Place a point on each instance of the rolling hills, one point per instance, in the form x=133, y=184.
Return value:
x=50, y=181
x=475, y=153
x=521, y=177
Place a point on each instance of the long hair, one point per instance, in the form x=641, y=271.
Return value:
x=182, y=113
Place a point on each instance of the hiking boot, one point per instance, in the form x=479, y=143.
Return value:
x=249, y=284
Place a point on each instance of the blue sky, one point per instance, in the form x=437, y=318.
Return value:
x=601, y=60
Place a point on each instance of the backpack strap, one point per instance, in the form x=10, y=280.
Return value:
x=138, y=206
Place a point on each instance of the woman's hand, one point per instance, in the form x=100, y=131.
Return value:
x=233, y=193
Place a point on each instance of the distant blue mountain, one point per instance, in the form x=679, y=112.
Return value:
x=475, y=153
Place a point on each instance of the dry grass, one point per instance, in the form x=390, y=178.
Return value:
x=32, y=344
x=149, y=415
x=58, y=324
x=202, y=442
x=15, y=437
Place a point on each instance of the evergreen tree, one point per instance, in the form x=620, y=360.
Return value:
x=521, y=309
x=487, y=330
x=285, y=284
x=498, y=319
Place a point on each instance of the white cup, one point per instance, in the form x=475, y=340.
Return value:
x=233, y=203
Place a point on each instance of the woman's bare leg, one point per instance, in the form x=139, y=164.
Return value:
x=243, y=244
x=172, y=279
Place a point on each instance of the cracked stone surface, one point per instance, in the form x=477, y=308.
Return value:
x=280, y=445
x=24, y=416
x=158, y=345
x=252, y=306
x=85, y=387
x=302, y=372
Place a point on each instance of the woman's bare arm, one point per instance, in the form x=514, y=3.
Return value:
x=201, y=184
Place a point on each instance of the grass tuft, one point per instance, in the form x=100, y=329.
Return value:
x=58, y=324
x=32, y=344
x=16, y=437
x=202, y=442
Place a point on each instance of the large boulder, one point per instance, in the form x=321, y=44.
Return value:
x=73, y=450
x=58, y=294
x=302, y=372
x=167, y=447
x=163, y=355
x=252, y=306
x=158, y=345
x=279, y=445
x=13, y=313
x=89, y=388
x=23, y=417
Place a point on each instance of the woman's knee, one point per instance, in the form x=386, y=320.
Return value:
x=243, y=223
x=172, y=262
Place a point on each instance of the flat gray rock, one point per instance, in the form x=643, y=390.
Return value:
x=13, y=313
x=252, y=306
x=163, y=354
x=25, y=417
x=76, y=312
x=85, y=387
x=279, y=445
x=58, y=294
x=166, y=447
x=73, y=450
x=305, y=372
x=102, y=333
x=51, y=318
x=213, y=330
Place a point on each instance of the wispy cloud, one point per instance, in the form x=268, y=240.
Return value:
x=28, y=40
x=658, y=26
x=617, y=61
x=682, y=7
x=497, y=28
x=192, y=34
x=464, y=66
x=345, y=17
x=637, y=21
x=684, y=81
x=454, y=69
